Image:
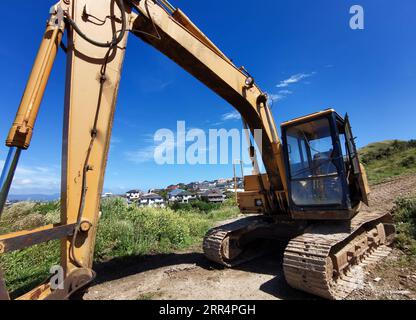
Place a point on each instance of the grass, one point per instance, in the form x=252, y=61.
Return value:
x=388, y=159
x=405, y=221
x=149, y=296
x=26, y=268
x=124, y=230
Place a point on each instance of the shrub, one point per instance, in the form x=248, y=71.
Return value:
x=405, y=220
x=200, y=206
x=46, y=207
x=408, y=162
x=382, y=153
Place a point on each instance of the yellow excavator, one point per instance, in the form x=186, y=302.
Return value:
x=309, y=196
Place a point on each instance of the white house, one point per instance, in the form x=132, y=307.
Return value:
x=152, y=200
x=107, y=195
x=213, y=196
x=180, y=196
x=133, y=195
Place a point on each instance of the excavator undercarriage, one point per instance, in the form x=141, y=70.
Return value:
x=321, y=258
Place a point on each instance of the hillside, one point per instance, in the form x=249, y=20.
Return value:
x=388, y=158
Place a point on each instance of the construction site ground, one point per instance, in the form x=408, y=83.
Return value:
x=189, y=275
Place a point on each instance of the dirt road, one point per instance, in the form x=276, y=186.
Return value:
x=188, y=275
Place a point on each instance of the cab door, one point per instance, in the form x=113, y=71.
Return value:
x=356, y=167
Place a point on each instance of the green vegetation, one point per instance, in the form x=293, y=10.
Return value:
x=389, y=159
x=127, y=230
x=28, y=267
x=200, y=206
x=405, y=220
x=124, y=230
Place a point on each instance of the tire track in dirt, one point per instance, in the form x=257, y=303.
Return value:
x=382, y=195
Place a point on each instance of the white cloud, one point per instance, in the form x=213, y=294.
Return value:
x=115, y=140
x=43, y=180
x=276, y=97
x=152, y=152
x=282, y=94
x=294, y=79
x=231, y=116
x=142, y=155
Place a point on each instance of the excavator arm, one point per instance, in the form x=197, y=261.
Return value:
x=97, y=33
x=178, y=38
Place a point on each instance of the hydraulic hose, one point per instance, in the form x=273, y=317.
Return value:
x=116, y=39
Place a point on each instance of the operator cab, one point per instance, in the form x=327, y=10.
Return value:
x=325, y=178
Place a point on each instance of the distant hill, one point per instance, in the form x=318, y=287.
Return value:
x=34, y=197
x=388, y=158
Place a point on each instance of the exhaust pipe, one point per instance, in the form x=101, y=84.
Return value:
x=8, y=174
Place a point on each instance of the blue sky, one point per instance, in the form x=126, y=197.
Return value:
x=370, y=73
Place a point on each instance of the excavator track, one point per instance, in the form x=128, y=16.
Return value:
x=221, y=243
x=328, y=258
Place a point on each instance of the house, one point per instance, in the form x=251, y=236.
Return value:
x=213, y=196
x=181, y=196
x=173, y=194
x=221, y=185
x=107, y=195
x=152, y=200
x=232, y=189
x=192, y=186
x=204, y=186
x=134, y=195
x=186, y=197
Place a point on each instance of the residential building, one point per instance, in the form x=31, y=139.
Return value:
x=107, y=195
x=134, y=195
x=180, y=196
x=192, y=186
x=173, y=194
x=213, y=196
x=152, y=200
